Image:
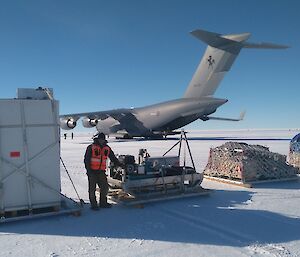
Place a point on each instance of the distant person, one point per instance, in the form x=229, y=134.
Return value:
x=95, y=159
x=72, y=135
x=65, y=135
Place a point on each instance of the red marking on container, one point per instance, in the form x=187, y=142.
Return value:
x=15, y=154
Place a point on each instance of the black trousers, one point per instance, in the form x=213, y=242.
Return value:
x=97, y=178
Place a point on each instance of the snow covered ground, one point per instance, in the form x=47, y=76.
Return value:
x=232, y=221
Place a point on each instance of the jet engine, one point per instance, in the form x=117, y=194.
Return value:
x=67, y=123
x=89, y=123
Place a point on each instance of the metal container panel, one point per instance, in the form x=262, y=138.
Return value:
x=29, y=150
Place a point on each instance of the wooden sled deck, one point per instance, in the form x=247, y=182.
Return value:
x=127, y=199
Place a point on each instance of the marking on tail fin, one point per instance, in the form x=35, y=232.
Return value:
x=210, y=61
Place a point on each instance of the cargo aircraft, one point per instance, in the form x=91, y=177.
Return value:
x=198, y=102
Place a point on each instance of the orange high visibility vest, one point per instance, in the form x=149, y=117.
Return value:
x=99, y=157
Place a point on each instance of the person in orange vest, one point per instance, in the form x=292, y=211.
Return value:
x=95, y=159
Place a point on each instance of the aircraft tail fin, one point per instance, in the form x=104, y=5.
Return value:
x=218, y=58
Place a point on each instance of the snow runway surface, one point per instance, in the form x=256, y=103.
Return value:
x=232, y=221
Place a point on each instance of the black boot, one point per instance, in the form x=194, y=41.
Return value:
x=94, y=208
x=104, y=203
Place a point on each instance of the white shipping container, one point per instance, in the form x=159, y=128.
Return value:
x=29, y=154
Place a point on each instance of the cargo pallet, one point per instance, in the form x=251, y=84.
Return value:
x=67, y=206
x=250, y=184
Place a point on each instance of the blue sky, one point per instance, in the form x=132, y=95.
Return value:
x=100, y=55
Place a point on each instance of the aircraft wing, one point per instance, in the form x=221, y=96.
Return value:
x=125, y=117
x=102, y=115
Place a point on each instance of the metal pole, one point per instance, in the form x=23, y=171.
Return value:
x=1, y=184
x=188, y=146
x=171, y=148
x=179, y=151
x=184, y=156
x=26, y=157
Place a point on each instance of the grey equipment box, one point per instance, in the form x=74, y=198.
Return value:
x=29, y=154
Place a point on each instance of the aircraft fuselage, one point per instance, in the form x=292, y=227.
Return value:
x=164, y=117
